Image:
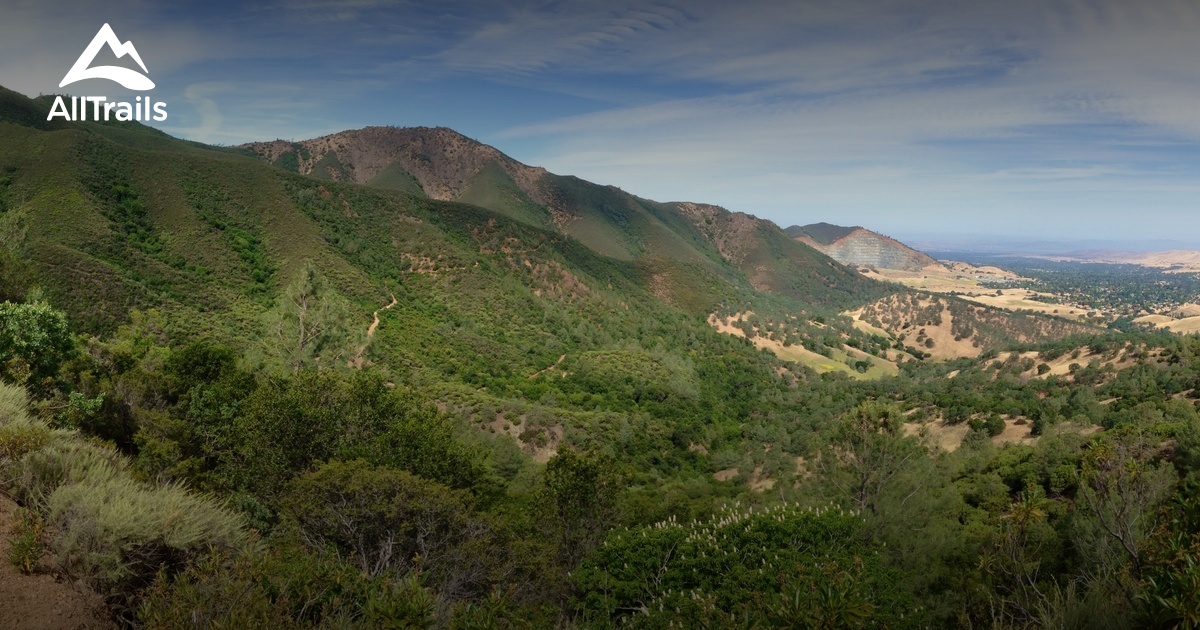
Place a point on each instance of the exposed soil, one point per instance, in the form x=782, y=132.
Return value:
x=42, y=601
x=357, y=361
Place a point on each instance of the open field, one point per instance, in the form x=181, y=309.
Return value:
x=943, y=277
x=949, y=437
x=1175, y=261
x=1021, y=299
x=1182, y=325
x=965, y=280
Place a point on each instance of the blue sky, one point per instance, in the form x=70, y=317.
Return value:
x=1029, y=119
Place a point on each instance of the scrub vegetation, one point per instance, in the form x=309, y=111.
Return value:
x=204, y=421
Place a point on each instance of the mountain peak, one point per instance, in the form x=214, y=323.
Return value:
x=437, y=162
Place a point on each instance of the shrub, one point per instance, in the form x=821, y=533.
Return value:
x=389, y=521
x=109, y=529
x=22, y=436
x=34, y=341
x=25, y=548
x=118, y=533
x=14, y=403
x=61, y=461
x=283, y=586
x=780, y=566
x=400, y=604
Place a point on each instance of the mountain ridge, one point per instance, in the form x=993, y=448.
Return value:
x=680, y=245
x=109, y=219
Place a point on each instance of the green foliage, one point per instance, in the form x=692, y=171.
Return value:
x=277, y=586
x=537, y=333
x=403, y=604
x=1120, y=492
x=225, y=215
x=1170, y=588
x=27, y=540
x=310, y=327
x=34, y=341
x=288, y=161
x=288, y=423
x=283, y=585
x=870, y=452
x=994, y=425
x=14, y=404
x=777, y=565
x=21, y=436
x=389, y=521
x=118, y=533
x=580, y=493
x=16, y=274
x=109, y=529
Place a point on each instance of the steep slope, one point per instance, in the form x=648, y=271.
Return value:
x=860, y=246
x=110, y=221
x=770, y=260
x=683, y=257
x=135, y=233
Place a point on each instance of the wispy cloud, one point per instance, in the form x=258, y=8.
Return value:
x=877, y=111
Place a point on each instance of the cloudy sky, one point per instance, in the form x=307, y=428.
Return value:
x=1031, y=119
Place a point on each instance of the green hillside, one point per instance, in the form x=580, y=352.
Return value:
x=681, y=261
x=243, y=388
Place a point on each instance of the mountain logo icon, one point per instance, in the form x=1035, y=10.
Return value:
x=130, y=79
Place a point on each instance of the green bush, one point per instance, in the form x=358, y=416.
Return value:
x=14, y=403
x=389, y=521
x=283, y=585
x=66, y=460
x=118, y=533
x=20, y=437
x=780, y=566
x=34, y=341
x=26, y=544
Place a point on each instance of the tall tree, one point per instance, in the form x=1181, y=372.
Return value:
x=311, y=326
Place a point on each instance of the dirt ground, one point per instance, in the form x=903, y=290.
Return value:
x=41, y=601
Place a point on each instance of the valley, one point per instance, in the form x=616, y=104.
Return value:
x=392, y=377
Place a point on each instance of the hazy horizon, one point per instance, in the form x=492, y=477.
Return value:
x=1045, y=121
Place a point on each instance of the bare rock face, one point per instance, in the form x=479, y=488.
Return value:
x=857, y=246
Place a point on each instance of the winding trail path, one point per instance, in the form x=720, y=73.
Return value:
x=358, y=358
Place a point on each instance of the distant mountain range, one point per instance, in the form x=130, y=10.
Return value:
x=858, y=246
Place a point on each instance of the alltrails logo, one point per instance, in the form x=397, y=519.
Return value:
x=140, y=110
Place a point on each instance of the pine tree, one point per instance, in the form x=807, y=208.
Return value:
x=311, y=326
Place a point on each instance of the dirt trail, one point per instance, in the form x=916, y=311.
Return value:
x=40, y=601
x=375, y=324
x=357, y=362
x=541, y=372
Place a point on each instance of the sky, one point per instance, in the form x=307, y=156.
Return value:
x=959, y=119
